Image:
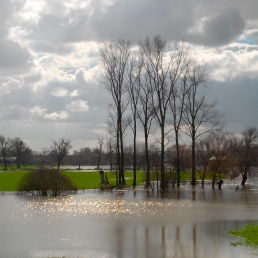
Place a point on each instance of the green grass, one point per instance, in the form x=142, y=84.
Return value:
x=83, y=180
x=248, y=235
x=9, y=180
x=91, y=180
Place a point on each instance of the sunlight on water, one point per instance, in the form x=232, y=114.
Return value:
x=101, y=207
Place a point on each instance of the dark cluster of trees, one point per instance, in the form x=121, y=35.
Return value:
x=14, y=151
x=160, y=86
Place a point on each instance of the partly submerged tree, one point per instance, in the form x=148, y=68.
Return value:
x=164, y=68
x=199, y=116
x=60, y=149
x=45, y=182
x=246, y=151
x=114, y=59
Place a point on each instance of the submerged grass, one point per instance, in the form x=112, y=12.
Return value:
x=248, y=236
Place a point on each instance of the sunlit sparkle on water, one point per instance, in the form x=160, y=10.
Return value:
x=102, y=207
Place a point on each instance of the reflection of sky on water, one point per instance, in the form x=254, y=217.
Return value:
x=94, y=224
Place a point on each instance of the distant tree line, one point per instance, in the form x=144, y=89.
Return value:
x=217, y=154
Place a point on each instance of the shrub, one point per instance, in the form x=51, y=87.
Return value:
x=45, y=182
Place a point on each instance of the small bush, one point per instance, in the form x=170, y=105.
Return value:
x=45, y=182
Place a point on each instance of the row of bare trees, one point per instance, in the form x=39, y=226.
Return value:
x=160, y=86
x=17, y=151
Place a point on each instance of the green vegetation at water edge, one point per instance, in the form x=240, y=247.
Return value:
x=248, y=235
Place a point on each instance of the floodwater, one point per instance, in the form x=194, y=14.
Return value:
x=185, y=223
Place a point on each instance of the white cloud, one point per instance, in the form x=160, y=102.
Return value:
x=59, y=92
x=74, y=93
x=62, y=92
x=38, y=111
x=78, y=105
x=11, y=85
x=63, y=115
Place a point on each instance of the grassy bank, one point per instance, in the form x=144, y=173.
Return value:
x=248, y=235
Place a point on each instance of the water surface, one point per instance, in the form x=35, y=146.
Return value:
x=184, y=223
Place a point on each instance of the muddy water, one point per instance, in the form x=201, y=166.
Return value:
x=184, y=223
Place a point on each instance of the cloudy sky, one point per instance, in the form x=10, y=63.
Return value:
x=49, y=61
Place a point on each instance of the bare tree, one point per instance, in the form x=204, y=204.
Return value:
x=133, y=72
x=164, y=69
x=114, y=59
x=145, y=113
x=100, y=150
x=180, y=88
x=110, y=150
x=203, y=155
x=60, y=149
x=246, y=151
x=198, y=112
x=5, y=148
x=19, y=148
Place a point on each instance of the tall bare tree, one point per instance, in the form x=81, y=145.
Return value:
x=114, y=59
x=180, y=88
x=199, y=113
x=164, y=69
x=133, y=72
x=5, y=148
x=246, y=151
x=145, y=113
x=60, y=149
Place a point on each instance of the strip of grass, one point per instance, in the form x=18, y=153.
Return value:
x=9, y=180
x=248, y=234
x=91, y=180
x=83, y=180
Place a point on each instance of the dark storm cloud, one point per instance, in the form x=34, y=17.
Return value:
x=220, y=29
x=134, y=20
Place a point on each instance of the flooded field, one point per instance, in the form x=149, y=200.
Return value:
x=184, y=223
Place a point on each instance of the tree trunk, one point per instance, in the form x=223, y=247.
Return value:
x=122, y=156
x=5, y=163
x=134, y=155
x=244, y=178
x=147, y=159
x=177, y=160
x=118, y=153
x=162, y=159
x=193, y=159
